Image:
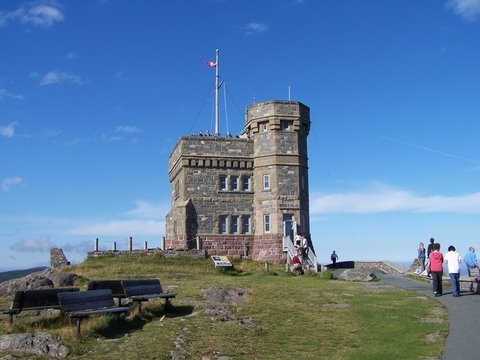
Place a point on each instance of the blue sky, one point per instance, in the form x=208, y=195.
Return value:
x=95, y=94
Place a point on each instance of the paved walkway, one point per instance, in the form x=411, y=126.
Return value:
x=463, y=311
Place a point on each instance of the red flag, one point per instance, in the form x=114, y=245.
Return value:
x=211, y=64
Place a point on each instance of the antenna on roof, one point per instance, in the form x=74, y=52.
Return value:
x=288, y=92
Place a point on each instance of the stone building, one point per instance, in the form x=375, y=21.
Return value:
x=243, y=196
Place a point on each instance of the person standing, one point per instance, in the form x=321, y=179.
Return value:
x=430, y=247
x=429, y=250
x=305, y=245
x=453, y=260
x=470, y=259
x=421, y=257
x=436, y=269
x=334, y=258
x=298, y=241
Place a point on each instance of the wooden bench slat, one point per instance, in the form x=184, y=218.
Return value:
x=85, y=300
x=147, y=297
x=114, y=285
x=144, y=290
x=87, y=313
x=142, y=287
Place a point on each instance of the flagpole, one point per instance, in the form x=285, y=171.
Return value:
x=217, y=77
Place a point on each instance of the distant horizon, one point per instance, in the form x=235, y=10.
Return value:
x=404, y=264
x=89, y=119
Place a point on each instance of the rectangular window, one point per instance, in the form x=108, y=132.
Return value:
x=234, y=225
x=266, y=223
x=234, y=183
x=245, y=224
x=246, y=183
x=286, y=124
x=263, y=126
x=222, y=224
x=222, y=183
x=266, y=182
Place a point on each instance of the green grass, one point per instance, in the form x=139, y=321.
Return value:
x=279, y=316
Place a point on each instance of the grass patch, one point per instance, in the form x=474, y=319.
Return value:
x=249, y=313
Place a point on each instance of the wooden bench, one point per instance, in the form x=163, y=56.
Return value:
x=144, y=290
x=114, y=285
x=35, y=299
x=83, y=304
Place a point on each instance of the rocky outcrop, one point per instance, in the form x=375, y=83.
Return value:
x=42, y=344
x=41, y=279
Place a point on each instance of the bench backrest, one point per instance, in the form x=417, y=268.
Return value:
x=141, y=287
x=38, y=298
x=86, y=300
x=114, y=285
x=17, y=300
x=43, y=298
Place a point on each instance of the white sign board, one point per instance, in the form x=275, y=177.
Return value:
x=221, y=261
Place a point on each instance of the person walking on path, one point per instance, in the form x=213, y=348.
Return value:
x=453, y=260
x=334, y=258
x=436, y=269
x=421, y=257
x=470, y=259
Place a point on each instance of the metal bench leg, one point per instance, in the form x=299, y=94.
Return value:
x=78, y=327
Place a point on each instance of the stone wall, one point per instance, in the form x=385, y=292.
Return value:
x=148, y=252
x=385, y=266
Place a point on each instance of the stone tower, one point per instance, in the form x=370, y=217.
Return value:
x=239, y=196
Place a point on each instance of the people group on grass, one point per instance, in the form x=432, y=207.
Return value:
x=431, y=262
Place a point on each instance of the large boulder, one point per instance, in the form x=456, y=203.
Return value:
x=41, y=344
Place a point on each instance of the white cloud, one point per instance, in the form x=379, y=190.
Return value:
x=121, y=228
x=254, y=27
x=4, y=94
x=9, y=130
x=145, y=209
x=143, y=220
x=43, y=15
x=34, y=245
x=128, y=129
x=382, y=198
x=71, y=55
x=469, y=9
x=8, y=182
x=58, y=77
x=120, y=75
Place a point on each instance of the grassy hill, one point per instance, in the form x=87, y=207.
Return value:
x=248, y=313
